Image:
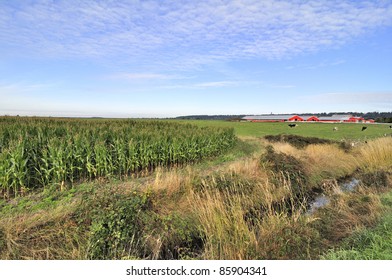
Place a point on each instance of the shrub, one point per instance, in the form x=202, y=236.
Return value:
x=116, y=229
x=173, y=236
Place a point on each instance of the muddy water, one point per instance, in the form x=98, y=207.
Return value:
x=323, y=200
x=350, y=185
x=319, y=201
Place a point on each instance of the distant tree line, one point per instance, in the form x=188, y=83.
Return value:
x=384, y=120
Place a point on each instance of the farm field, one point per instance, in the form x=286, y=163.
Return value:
x=191, y=190
x=36, y=152
x=346, y=131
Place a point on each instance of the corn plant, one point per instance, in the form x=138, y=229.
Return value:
x=37, y=152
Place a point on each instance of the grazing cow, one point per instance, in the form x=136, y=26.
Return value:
x=390, y=126
x=292, y=125
x=364, y=128
x=335, y=129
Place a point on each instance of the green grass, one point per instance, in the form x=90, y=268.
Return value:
x=345, y=131
x=369, y=244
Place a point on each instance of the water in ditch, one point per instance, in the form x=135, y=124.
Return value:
x=323, y=200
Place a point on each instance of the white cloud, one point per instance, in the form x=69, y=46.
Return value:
x=184, y=34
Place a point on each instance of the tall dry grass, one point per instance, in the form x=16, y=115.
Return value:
x=46, y=235
x=376, y=155
x=328, y=161
x=322, y=161
x=266, y=223
x=221, y=218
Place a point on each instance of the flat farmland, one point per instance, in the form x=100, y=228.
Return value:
x=190, y=190
x=346, y=131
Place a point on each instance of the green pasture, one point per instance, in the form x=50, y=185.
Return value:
x=346, y=131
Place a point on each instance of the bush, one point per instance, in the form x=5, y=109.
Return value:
x=117, y=227
x=173, y=236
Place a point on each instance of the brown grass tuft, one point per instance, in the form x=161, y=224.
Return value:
x=51, y=234
x=376, y=155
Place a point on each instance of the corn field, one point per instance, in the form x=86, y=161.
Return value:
x=37, y=152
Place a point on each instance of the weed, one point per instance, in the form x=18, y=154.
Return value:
x=173, y=236
x=116, y=228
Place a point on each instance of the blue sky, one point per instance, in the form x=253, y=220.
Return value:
x=168, y=58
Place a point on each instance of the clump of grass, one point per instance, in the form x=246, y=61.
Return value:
x=283, y=236
x=327, y=162
x=378, y=180
x=286, y=166
x=370, y=243
x=376, y=155
x=227, y=182
x=249, y=168
x=346, y=213
x=226, y=233
x=48, y=234
x=235, y=227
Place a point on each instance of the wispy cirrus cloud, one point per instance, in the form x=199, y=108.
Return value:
x=322, y=64
x=204, y=85
x=351, y=98
x=142, y=76
x=23, y=87
x=215, y=84
x=184, y=34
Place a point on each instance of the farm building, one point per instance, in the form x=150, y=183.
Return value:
x=268, y=118
x=306, y=118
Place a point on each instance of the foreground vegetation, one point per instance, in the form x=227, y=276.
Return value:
x=251, y=202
